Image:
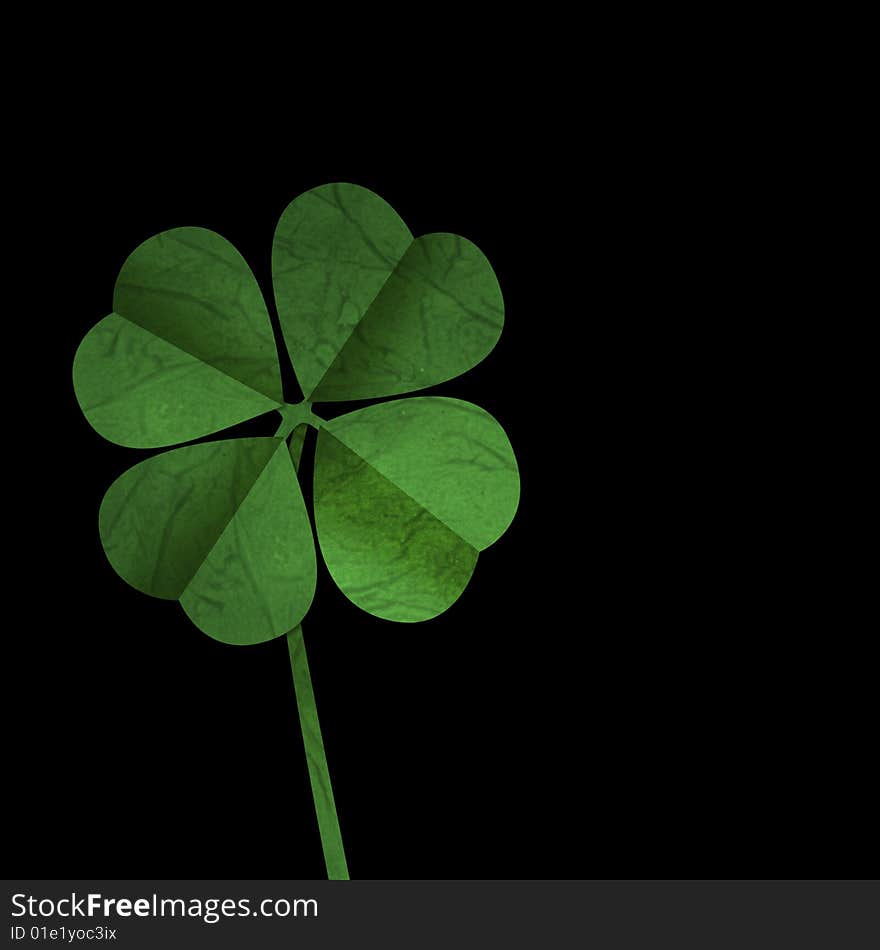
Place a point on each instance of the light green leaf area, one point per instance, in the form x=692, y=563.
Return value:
x=366, y=310
x=386, y=553
x=141, y=391
x=222, y=526
x=189, y=349
x=406, y=495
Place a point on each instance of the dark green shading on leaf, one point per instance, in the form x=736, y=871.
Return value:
x=191, y=287
x=333, y=250
x=366, y=310
x=406, y=495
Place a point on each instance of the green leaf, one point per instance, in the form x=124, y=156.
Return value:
x=406, y=495
x=189, y=349
x=366, y=310
x=222, y=527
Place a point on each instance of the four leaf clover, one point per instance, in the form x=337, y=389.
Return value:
x=407, y=492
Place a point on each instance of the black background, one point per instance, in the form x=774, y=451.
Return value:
x=623, y=690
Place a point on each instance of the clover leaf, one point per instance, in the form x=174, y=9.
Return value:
x=407, y=492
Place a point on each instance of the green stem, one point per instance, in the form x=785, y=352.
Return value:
x=319, y=774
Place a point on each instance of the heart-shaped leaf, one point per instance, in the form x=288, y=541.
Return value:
x=407, y=493
x=366, y=310
x=189, y=349
x=222, y=527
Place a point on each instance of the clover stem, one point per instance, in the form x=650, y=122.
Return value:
x=319, y=774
